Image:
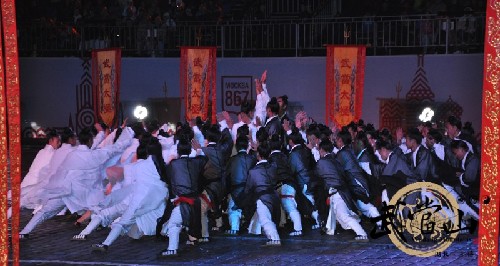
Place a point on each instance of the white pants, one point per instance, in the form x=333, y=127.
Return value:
x=104, y=217
x=254, y=226
x=468, y=211
x=290, y=206
x=266, y=221
x=204, y=215
x=49, y=210
x=368, y=210
x=341, y=213
x=174, y=227
x=233, y=215
x=315, y=214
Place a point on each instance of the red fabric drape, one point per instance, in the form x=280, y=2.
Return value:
x=10, y=115
x=345, y=75
x=490, y=175
x=198, y=76
x=106, y=69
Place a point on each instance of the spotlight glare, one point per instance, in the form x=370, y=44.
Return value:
x=140, y=112
x=426, y=114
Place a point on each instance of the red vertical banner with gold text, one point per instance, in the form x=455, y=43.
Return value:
x=10, y=132
x=106, y=67
x=490, y=175
x=198, y=71
x=345, y=76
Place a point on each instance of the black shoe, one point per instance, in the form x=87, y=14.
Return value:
x=100, y=247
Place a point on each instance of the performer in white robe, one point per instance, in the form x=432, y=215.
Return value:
x=33, y=199
x=33, y=177
x=78, y=181
x=139, y=204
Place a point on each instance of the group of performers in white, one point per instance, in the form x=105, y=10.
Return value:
x=264, y=171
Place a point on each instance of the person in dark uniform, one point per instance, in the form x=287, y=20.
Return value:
x=273, y=123
x=184, y=178
x=302, y=164
x=468, y=176
x=356, y=177
x=238, y=168
x=394, y=173
x=286, y=185
x=218, y=150
x=260, y=187
x=342, y=205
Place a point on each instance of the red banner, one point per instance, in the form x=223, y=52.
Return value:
x=10, y=131
x=490, y=175
x=106, y=67
x=198, y=79
x=345, y=76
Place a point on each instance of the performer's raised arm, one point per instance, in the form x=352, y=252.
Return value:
x=262, y=99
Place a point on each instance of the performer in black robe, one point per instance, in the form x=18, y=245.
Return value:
x=468, y=178
x=357, y=178
x=273, y=122
x=394, y=173
x=218, y=152
x=302, y=165
x=420, y=158
x=287, y=186
x=184, y=176
x=260, y=187
x=366, y=159
x=238, y=165
x=358, y=184
x=341, y=204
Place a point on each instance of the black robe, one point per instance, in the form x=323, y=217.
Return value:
x=184, y=176
x=273, y=126
x=302, y=165
x=470, y=177
x=425, y=168
x=238, y=167
x=283, y=175
x=396, y=174
x=354, y=172
x=215, y=169
x=374, y=185
x=260, y=186
x=331, y=173
x=450, y=166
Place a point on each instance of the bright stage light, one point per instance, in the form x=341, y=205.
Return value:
x=426, y=115
x=140, y=112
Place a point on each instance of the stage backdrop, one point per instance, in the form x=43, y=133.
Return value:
x=197, y=81
x=345, y=75
x=106, y=67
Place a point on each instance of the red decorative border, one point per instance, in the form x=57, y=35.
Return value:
x=489, y=197
x=13, y=118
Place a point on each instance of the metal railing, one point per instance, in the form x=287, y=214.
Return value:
x=382, y=36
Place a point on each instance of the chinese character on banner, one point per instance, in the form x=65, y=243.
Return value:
x=106, y=67
x=345, y=69
x=197, y=80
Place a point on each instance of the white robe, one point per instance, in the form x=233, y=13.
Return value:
x=79, y=179
x=46, y=177
x=145, y=195
x=33, y=178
